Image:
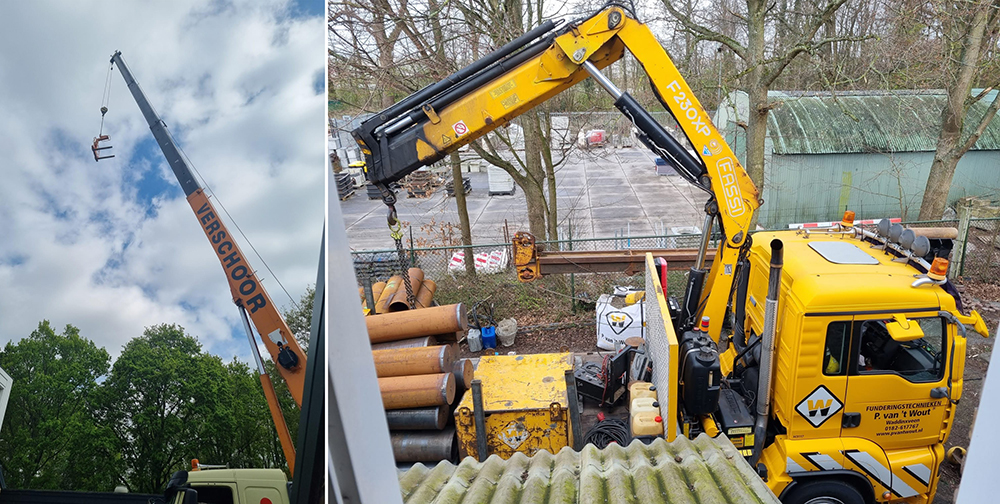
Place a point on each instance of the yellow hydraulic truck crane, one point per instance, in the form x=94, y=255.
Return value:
x=249, y=295
x=833, y=357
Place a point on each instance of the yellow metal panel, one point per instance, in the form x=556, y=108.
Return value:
x=525, y=402
x=662, y=340
x=807, y=378
x=521, y=382
x=788, y=363
x=917, y=468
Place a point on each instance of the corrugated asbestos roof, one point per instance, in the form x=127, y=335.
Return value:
x=705, y=470
x=853, y=122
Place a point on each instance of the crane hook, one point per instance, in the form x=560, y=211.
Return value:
x=104, y=110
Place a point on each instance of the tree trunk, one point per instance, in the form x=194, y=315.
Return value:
x=756, y=91
x=538, y=211
x=938, y=184
x=535, y=199
x=463, y=212
x=964, y=54
x=552, y=215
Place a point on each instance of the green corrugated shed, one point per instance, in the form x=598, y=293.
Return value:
x=867, y=122
x=866, y=151
x=683, y=471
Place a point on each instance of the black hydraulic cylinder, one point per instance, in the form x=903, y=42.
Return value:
x=666, y=145
x=469, y=85
x=394, y=158
x=432, y=90
x=692, y=296
x=740, y=304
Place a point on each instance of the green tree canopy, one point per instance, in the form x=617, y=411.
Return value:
x=76, y=422
x=299, y=317
x=51, y=439
x=163, y=400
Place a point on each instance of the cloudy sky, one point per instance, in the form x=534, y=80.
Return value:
x=113, y=247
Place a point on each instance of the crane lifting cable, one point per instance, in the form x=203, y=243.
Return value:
x=101, y=137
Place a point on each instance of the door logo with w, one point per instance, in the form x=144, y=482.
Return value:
x=819, y=406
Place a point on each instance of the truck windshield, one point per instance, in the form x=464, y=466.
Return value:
x=921, y=360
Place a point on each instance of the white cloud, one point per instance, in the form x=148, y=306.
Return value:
x=234, y=82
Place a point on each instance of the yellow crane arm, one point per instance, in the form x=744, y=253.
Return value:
x=443, y=117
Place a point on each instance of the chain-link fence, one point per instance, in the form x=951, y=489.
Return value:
x=560, y=297
x=552, y=298
x=980, y=250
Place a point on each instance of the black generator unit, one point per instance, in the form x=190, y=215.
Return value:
x=604, y=383
x=700, y=374
x=735, y=421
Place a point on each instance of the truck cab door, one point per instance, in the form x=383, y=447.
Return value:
x=820, y=379
x=896, y=390
x=896, y=400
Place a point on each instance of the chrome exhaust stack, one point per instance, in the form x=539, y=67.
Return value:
x=767, y=348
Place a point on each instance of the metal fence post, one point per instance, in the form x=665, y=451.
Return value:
x=369, y=294
x=413, y=257
x=572, y=276
x=964, y=220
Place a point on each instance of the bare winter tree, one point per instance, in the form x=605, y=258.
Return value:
x=766, y=39
x=971, y=29
x=534, y=171
x=400, y=47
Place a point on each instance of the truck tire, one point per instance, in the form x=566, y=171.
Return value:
x=824, y=492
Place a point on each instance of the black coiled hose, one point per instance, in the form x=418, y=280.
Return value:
x=606, y=432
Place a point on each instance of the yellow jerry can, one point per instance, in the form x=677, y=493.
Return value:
x=525, y=404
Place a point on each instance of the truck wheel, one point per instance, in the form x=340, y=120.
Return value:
x=824, y=492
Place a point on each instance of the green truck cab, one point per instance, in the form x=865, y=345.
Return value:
x=228, y=486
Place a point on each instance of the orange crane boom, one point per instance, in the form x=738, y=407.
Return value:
x=249, y=295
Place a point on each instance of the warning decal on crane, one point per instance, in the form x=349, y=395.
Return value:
x=460, y=128
x=819, y=406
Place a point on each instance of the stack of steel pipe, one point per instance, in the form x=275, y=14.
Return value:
x=418, y=386
x=419, y=379
x=391, y=296
x=418, y=374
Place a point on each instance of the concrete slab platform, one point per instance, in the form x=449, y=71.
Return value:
x=601, y=192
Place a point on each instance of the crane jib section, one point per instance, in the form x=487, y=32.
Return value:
x=241, y=279
x=250, y=294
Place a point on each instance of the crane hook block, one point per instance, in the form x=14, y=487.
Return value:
x=97, y=148
x=104, y=110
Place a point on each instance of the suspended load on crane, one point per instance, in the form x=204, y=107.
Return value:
x=97, y=148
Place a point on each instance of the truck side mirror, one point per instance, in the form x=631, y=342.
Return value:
x=901, y=329
x=190, y=496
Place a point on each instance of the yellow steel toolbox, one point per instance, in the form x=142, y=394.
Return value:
x=525, y=404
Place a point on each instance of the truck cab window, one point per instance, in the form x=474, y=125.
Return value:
x=838, y=335
x=214, y=494
x=920, y=360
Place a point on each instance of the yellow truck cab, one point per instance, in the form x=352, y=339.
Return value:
x=228, y=486
x=868, y=361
